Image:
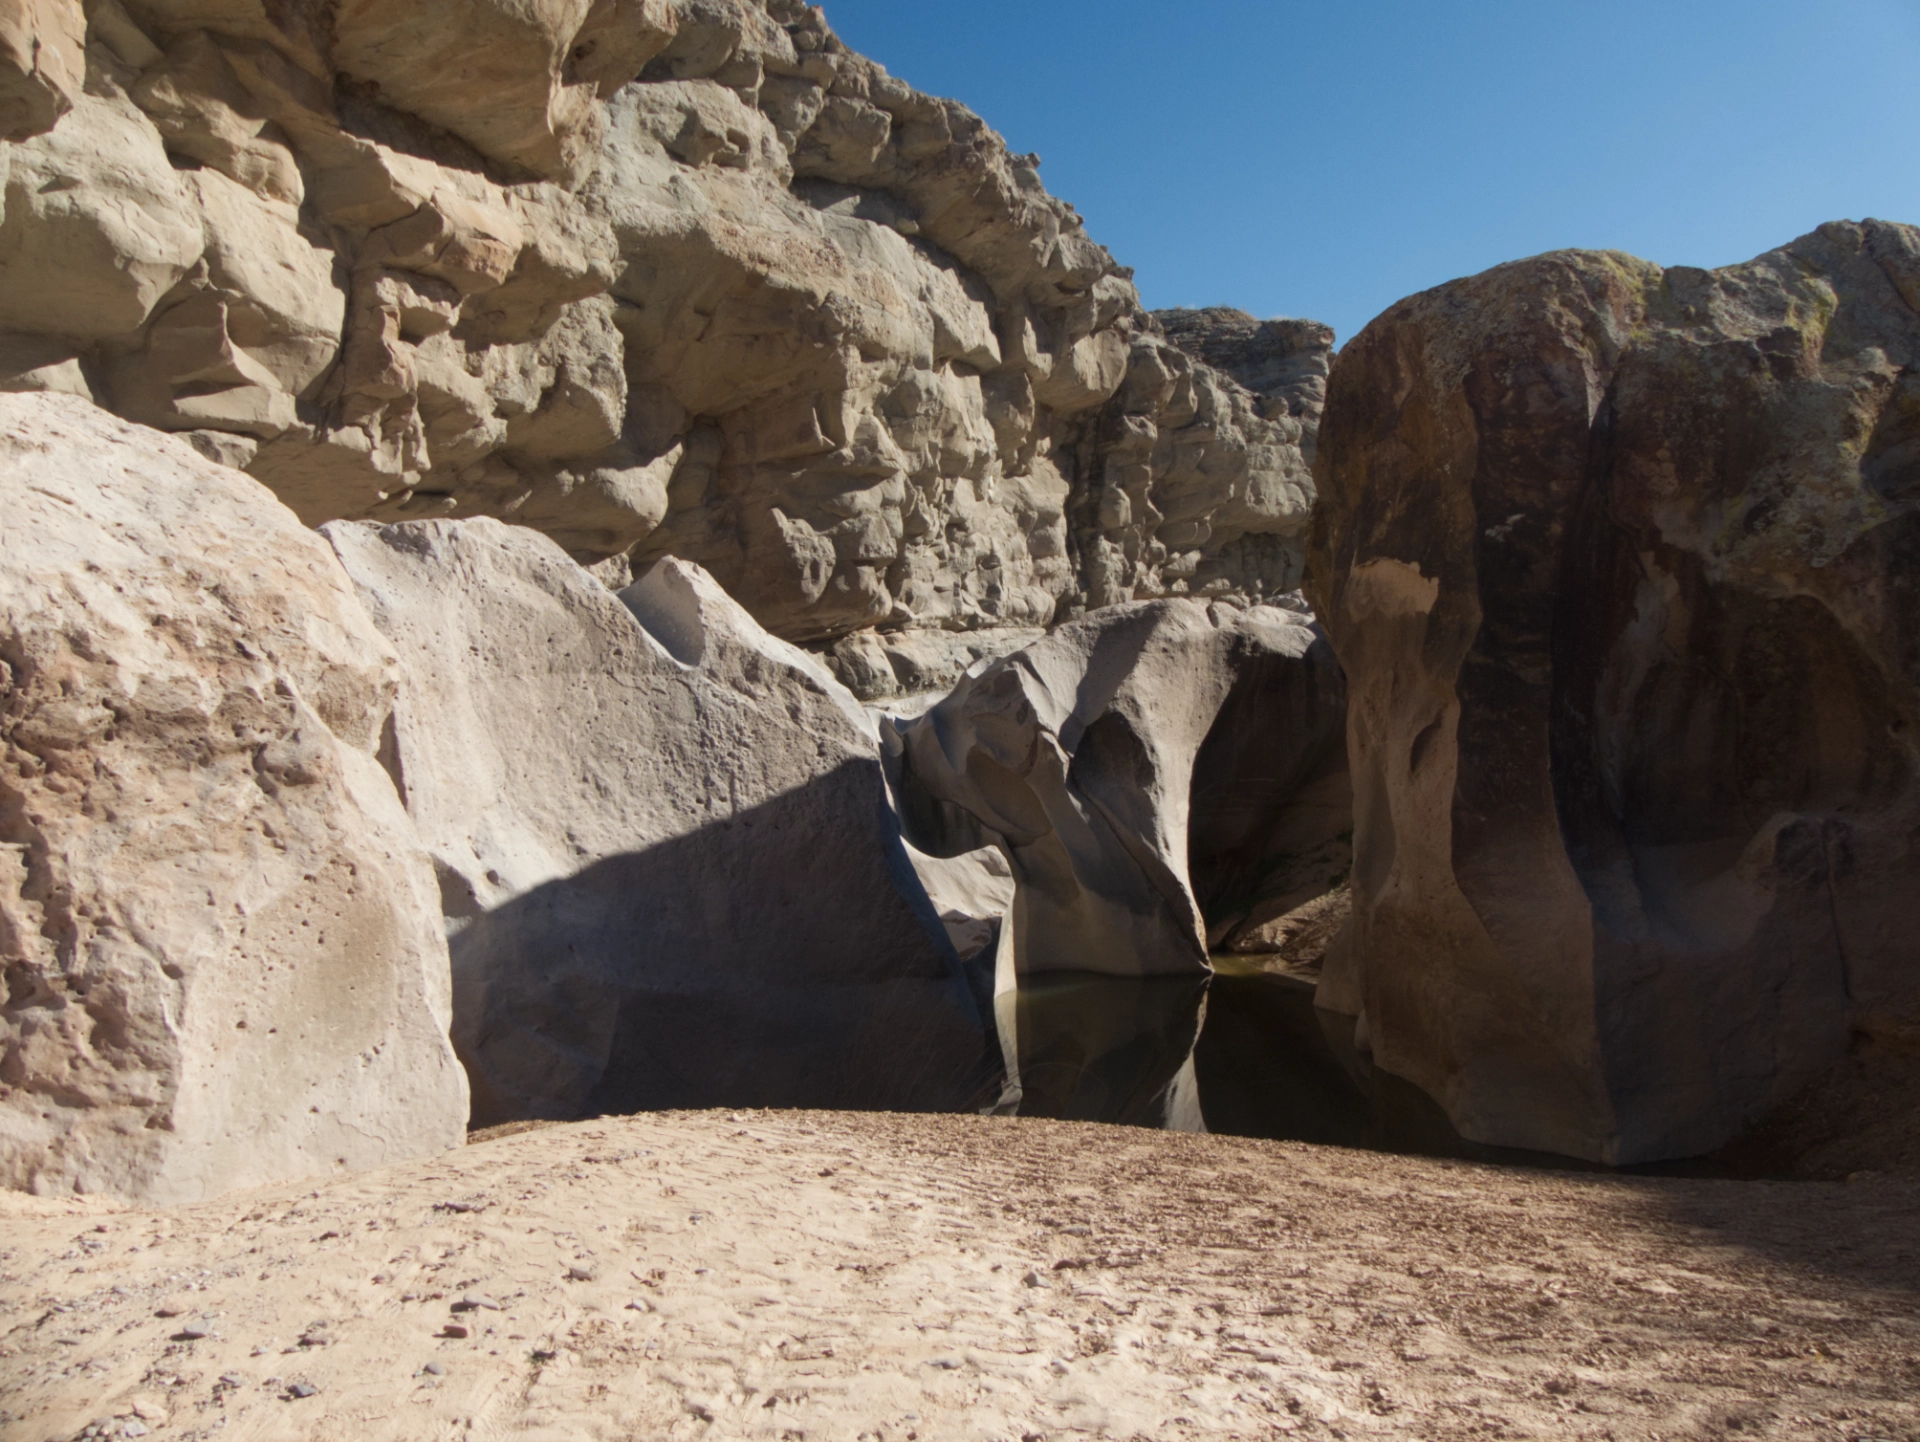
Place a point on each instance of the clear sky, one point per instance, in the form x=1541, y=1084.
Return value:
x=1326, y=157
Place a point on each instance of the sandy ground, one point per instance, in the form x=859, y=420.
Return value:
x=790, y=1275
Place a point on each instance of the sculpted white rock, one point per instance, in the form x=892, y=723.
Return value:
x=1106, y=761
x=223, y=963
x=664, y=847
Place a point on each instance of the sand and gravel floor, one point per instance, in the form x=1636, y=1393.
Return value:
x=830, y=1276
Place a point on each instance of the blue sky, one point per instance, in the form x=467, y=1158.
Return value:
x=1326, y=157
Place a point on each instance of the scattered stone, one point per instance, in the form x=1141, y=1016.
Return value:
x=455, y=1330
x=580, y=1274
x=303, y=1390
x=435, y=1369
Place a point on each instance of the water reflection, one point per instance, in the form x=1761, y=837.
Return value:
x=1088, y=1047
x=1245, y=1053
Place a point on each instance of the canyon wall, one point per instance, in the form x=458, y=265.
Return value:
x=1621, y=563
x=653, y=278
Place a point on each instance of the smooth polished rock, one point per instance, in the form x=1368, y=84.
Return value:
x=663, y=839
x=1107, y=762
x=1620, y=562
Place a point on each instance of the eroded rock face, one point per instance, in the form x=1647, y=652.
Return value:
x=663, y=843
x=1621, y=564
x=1157, y=777
x=656, y=279
x=42, y=64
x=1284, y=362
x=221, y=945
x=1079, y=758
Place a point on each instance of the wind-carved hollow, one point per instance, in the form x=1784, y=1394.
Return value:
x=1270, y=854
x=1159, y=778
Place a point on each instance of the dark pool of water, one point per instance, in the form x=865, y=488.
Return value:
x=1244, y=1053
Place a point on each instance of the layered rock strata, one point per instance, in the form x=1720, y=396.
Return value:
x=663, y=843
x=1621, y=565
x=653, y=278
x=220, y=936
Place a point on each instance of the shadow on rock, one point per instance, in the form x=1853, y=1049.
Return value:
x=743, y=964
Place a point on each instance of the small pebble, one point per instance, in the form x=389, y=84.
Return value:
x=167, y=1310
x=639, y=1304
x=474, y=1301
x=1034, y=1279
x=193, y=1334
x=233, y=1379
x=133, y=1427
x=946, y=1364
x=302, y=1389
x=580, y=1274
x=435, y=1369
x=454, y=1330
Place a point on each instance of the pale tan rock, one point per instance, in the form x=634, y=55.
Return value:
x=906, y=390
x=203, y=110
x=295, y=29
x=43, y=363
x=241, y=342
x=219, y=929
x=611, y=952
x=42, y=64
x=499, y=74
x=99, y=226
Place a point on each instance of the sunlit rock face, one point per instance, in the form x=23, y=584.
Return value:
x=1621, y=564
x=221, y=955
x=654, y=277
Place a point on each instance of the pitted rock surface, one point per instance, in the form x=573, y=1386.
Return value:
x=220, y=936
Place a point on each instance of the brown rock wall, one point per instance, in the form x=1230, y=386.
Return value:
x=1619, y=562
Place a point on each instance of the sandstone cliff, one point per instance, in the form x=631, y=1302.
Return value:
x=1621, y=565
x=219, y=934
x=654, y=278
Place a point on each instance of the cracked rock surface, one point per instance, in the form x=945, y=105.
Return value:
x=654, y=277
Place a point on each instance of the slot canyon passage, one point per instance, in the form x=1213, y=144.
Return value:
x=666, y=770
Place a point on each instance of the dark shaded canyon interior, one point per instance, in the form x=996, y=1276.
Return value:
x=1247, y=1052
